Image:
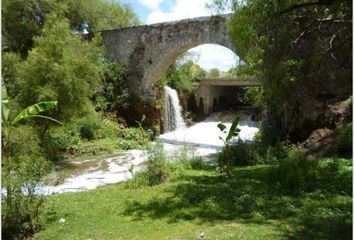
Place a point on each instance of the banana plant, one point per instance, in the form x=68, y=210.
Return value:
x=32, y=111
x=29, y=112
x=233, y=132
x=8, y=124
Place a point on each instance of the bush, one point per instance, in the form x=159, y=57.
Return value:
x=270, y=136
x=9, y=68
x=335, y=174
x=57, y=141
x=22, y=216
x=195, y=163
x=156, y=169
x=251, y=96
x=88, y=126
x=157, y=166
x=113, y=92
x=139, y=135
x=95, y=147
x=241, y=154
x=128, y=145
x=253, y=153
x=108, y=129
x=296, y=172
x=277, y=152
x=22, y=204
x=345, y=138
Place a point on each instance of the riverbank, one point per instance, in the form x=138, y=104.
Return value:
x=200, y=140
x=196, y=202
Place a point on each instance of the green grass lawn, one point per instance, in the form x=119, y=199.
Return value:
x=193, y=201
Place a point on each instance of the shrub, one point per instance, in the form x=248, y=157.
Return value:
x=251, y=96
x=133, y=134
x=296, y=171
x=276, y=152
x=108, y=129
x=345, y=138
x=335, y=174
x=22, y=204
x=253, y=153
x=139, y=135
x=57, y=141
x=270, y=136
x=88, y=126
x=156, y=168
x=95, y=147
x=184, y=158
x=113, y=92
x=195, y=163
x=244, y=154
x=9, y=68
x=22, y=216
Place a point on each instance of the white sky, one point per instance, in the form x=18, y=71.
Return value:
x=211, y=55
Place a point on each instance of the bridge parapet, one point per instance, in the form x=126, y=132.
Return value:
x=230, y=81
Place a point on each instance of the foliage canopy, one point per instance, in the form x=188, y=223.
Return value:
x=60, y=66
x=23, y=20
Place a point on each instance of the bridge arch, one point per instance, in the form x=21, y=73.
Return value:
x=147, y=51
x=154, y=73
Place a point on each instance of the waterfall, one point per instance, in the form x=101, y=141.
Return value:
x=173, y=111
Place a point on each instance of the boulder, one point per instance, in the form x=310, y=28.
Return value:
x=339, y=114
x=321, y=143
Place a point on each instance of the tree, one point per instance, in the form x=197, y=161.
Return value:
x=95, y=15
x=181, y=75
x=112, y=94
x=61, y=66
x=21, y=21
x=9, y=67
x=298, y=49
x=24, y=20
x=214, y=72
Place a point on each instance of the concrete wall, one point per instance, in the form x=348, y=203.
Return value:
x=214, y=98
x=219, y=94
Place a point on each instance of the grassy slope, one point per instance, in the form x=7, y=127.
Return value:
x=192, y=202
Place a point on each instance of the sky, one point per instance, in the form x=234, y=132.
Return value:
x=155, y=11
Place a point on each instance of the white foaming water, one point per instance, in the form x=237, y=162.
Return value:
x=199, y=140
x=173, y=111
x=118, y=171
x=204, y=136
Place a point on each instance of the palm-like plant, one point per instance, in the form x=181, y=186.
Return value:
x=233, y=132
x=8, y=124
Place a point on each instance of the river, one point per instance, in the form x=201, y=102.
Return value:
x=199, y=140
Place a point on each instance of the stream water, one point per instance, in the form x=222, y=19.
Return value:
x=199, y=140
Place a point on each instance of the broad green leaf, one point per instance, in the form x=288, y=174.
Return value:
x=233, y=129
x=44, y=117
x=34, y=110
x=4, y=104
x=221, y=126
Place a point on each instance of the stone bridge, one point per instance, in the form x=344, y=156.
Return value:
x=147, y=51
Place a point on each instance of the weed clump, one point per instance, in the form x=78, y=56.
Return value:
x=155, y=170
